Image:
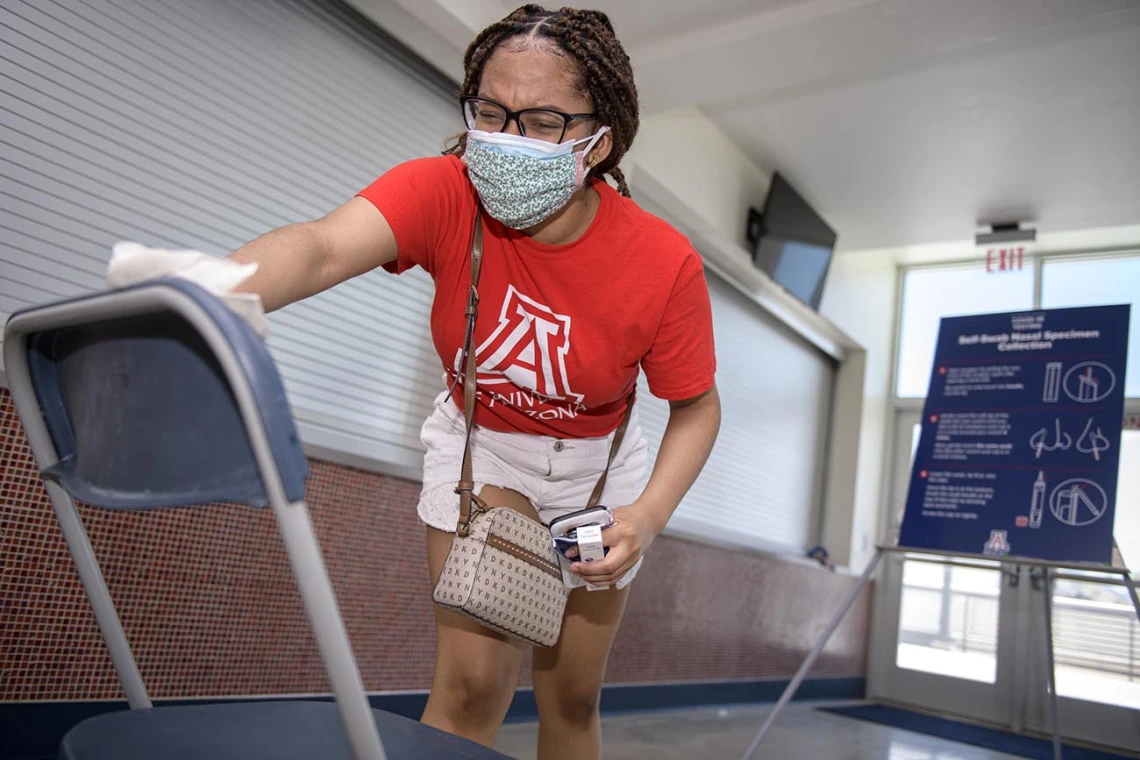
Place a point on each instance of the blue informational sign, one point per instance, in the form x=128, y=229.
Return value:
x=1020, y=441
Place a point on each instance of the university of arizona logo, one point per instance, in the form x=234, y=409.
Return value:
x=527, y=350
x=998, y=545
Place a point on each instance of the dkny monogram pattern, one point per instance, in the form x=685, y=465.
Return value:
x=485, y=577
x=502, y=569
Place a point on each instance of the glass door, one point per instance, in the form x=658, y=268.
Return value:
x=942, y=632
x=938, y=622
x=1096, y=651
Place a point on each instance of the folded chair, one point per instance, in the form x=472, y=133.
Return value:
x=159, y=396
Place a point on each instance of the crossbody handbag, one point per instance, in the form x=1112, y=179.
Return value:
x=502, y=569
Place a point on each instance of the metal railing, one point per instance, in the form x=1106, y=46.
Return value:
x=1098, y=636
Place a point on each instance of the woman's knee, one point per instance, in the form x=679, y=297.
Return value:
x=574, y=702
x=475, y=692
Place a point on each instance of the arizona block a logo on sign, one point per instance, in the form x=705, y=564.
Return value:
x=527, y=350
x=998, y=544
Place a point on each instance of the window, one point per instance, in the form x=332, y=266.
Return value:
x=932, y=293
x=1095, y=645
x=948, y=620
x=1098, y=282
x=1127, y=525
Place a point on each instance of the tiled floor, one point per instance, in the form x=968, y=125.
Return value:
x=801, y=731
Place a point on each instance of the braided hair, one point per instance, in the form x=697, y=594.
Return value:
x=604, y=69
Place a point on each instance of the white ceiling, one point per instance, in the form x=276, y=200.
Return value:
x=902, y=121
x=644, y=23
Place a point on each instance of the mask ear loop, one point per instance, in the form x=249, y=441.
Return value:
x=593, y=140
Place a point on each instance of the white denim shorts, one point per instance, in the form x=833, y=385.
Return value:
x=556, y=475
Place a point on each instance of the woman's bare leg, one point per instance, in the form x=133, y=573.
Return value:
x=476, y=669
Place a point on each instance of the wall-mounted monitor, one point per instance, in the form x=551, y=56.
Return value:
x=791, y=242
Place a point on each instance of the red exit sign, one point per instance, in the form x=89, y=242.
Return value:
x=1010, y=259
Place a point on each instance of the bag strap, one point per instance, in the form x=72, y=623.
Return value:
x=466, y=486
x=615, y=444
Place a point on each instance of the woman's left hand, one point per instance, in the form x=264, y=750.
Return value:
x=627, y=540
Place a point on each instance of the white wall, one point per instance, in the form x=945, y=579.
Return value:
x=860, y=295
x=690, y=155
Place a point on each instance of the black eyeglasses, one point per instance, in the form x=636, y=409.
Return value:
x=537, y=123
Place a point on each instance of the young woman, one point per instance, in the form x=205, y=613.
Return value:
x=580, y=291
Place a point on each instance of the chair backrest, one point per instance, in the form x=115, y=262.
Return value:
x=160, y=396
x=140, y=407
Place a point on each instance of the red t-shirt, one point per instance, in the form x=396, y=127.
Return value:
x=562, y=329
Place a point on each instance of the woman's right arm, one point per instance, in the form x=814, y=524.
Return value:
x=300, y=260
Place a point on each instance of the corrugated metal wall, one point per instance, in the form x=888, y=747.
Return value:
x=763, y=485
x=202, y=124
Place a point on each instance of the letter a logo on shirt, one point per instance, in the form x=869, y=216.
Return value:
x=528, y=349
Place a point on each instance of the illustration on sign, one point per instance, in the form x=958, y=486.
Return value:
x=1089, y=382
x=1037, y=505
x=1093, y=442
x=1078, y=502
x=1020, y=442
x=1059, y=442
x=1052, y=382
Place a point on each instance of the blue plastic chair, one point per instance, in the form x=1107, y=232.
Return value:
x=159, y=396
